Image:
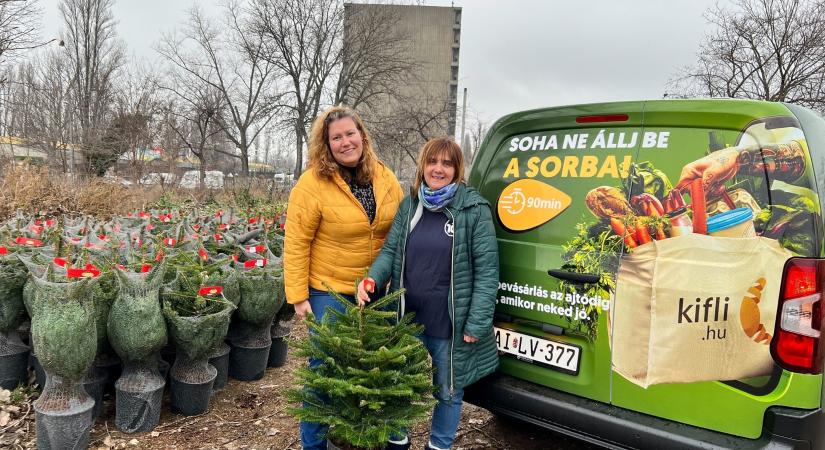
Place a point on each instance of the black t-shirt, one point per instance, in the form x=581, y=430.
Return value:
x=427, y=273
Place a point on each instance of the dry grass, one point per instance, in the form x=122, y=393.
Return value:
x=37, y=191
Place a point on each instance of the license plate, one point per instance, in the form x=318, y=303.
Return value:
x=552, y=354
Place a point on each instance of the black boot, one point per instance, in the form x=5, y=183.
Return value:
x=394, y=446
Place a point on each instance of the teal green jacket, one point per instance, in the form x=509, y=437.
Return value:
x=474, y=279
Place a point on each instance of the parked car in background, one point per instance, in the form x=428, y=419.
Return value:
x=167, y=179
x=213, y=179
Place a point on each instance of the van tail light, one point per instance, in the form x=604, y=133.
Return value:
x=796, y=344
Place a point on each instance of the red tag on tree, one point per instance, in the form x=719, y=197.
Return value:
x=219, y=213
x=60, y=262
x=256, y=248
x=283, y=225
x=144, y=215
x=218, y=236
x=36, y=229
x=369, y=285
x=235, y=258
x=202, y=253
x=49, y=222
x=38, y=221
x=253, y=220
x=4, y=250
x=210, y=290
x=30, y=242
x=82, y=273
x=222, y=226
x=149, y=227
x=102, y=237
x=159, y=256
x=145, y=268
x=76, y=239
x=197, y=227
x=120, y=266
x=170, y=241
x=254, y=263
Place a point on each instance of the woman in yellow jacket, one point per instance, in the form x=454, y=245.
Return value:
x=339, y=214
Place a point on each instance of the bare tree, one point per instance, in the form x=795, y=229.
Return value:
x=135, y=110
x=19, y=21
x=303, y=40
x=375, y=57
x=763, y=49
x=235, y=67
x=195, y=119
x=95, y=56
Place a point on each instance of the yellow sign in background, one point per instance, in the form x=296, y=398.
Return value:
x=528, y=203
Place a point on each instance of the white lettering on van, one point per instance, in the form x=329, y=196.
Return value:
x=538, y=142
x=649, y=139
x=599, y=141
x=570, y=141
x=552, y=143
x=513, y=144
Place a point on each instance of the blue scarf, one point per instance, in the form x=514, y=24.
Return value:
x=438, y=199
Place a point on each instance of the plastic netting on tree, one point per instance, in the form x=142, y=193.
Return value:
x=261, y=298
x=136, y=327
x=196, y=334
x=13, y=276
x=63, y=329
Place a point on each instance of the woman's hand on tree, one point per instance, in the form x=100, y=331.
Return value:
x=302, y=308
x=365, y=287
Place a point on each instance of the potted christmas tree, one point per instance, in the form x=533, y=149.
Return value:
x=198, y=317
x=376, y=375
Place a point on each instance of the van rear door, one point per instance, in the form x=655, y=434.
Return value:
x=555, y=180
x=757, y=154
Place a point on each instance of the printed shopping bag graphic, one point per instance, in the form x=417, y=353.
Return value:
x=697, y=308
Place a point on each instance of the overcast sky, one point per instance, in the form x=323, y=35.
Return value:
x=516, y=54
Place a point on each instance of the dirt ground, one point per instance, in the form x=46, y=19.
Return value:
x=251, y=415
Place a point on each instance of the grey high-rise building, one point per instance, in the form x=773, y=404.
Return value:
x=432, y=37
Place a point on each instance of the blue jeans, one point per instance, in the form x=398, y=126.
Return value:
x=447, y=412
x=313, y=434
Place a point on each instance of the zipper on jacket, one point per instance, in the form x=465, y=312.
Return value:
x=402, y=303
x=452, y=304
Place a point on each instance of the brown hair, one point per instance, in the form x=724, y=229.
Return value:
x=320, y=155
x=433, y=149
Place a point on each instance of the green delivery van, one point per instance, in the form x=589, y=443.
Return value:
x=662, y=272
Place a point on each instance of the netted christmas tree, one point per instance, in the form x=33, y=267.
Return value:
x=375, y=379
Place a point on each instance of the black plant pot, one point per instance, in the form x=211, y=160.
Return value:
x=64, y=431
x=14, y=370
x=63, y=415
x=95, y=384
x=220, y=361
x=138, y=397
x=191, y=399
x=278, y=351
x=248, y=363
x=39, y=373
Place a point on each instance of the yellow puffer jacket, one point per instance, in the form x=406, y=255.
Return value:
x=328, y=235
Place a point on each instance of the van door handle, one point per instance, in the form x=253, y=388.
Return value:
x=575, y=277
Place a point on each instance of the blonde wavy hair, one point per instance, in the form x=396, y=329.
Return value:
x=434, y=148
x=320, y=155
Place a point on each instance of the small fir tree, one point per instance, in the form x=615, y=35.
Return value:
x=375, y=373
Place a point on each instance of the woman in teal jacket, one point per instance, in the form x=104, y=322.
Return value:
x=442, y=249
